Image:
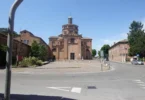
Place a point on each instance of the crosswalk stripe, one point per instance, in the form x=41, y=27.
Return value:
x=143, y=85
x=140, y=82
x=137, y=80
x=76, y=90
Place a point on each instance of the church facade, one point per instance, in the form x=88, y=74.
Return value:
x=70, y=45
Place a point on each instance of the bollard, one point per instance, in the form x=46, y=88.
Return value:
x=109, y=66
x=101, y=67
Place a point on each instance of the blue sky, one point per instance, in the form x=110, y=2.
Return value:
x=105, y=21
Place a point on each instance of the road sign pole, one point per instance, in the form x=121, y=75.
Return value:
x=9, y=49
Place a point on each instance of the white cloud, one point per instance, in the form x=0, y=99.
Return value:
x=124, y=35
x=106, y=41
x=143, y=22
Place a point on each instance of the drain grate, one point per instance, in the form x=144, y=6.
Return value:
x=92, y=87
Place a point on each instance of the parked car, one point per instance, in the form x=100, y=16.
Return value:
x=137, y=62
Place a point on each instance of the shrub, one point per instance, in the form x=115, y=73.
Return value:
x=30, y=61
x=141, y=59
x=33, y=60
x=25, y=62
x=39, y=62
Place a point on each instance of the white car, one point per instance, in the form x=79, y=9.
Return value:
x=137, y=62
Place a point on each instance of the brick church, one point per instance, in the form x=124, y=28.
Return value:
x=70, y=44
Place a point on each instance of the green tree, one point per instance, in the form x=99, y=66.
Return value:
x=35, y=49
x=94, y=52
x=105, y=48
x=42, y=52
x=5, y=32
x=136, y=39
x=38, y=50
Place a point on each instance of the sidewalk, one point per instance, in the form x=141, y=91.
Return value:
x=62, y=67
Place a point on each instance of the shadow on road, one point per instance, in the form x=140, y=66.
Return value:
x=2, y=67
x=34, y=97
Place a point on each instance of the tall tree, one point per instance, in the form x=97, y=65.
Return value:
x=94, y=52
x=5, y=32
x=42, y=52
x=38, y=50
x=105, y=48
x=35, y=49
x=136, y=39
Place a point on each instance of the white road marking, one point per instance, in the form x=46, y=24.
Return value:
x=61, y=88
x=76, y=90
x=143, y=85
x=137, y=80
x=140, y=82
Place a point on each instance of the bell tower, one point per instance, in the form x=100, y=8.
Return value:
x=70, y=20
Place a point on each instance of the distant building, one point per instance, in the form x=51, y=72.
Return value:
x=70, y=44
x=27, y=37
x=119, y=51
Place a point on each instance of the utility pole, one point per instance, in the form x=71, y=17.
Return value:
x=9, y=50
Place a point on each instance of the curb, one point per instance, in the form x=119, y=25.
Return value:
x=120, y=62
x=67, y=73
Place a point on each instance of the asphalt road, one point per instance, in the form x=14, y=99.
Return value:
x=125, y=82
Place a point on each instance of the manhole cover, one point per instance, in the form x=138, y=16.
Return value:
x=92, y=87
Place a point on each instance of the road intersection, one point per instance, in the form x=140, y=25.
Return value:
x=126, y=82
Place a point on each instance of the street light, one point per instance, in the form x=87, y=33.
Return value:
x=9, y=50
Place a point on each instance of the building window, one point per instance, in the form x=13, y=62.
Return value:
x=72, y=40
x=82, y=43
x=65, y=32
x=71, y=31
x=26, y=41
x=54, y=50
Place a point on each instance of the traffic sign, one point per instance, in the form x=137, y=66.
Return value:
x=102, y=53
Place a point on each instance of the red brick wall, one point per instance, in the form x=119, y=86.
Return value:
x=18, y=47
x=119, y=52
x=80, y=50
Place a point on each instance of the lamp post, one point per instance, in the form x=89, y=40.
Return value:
x=9, y=50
